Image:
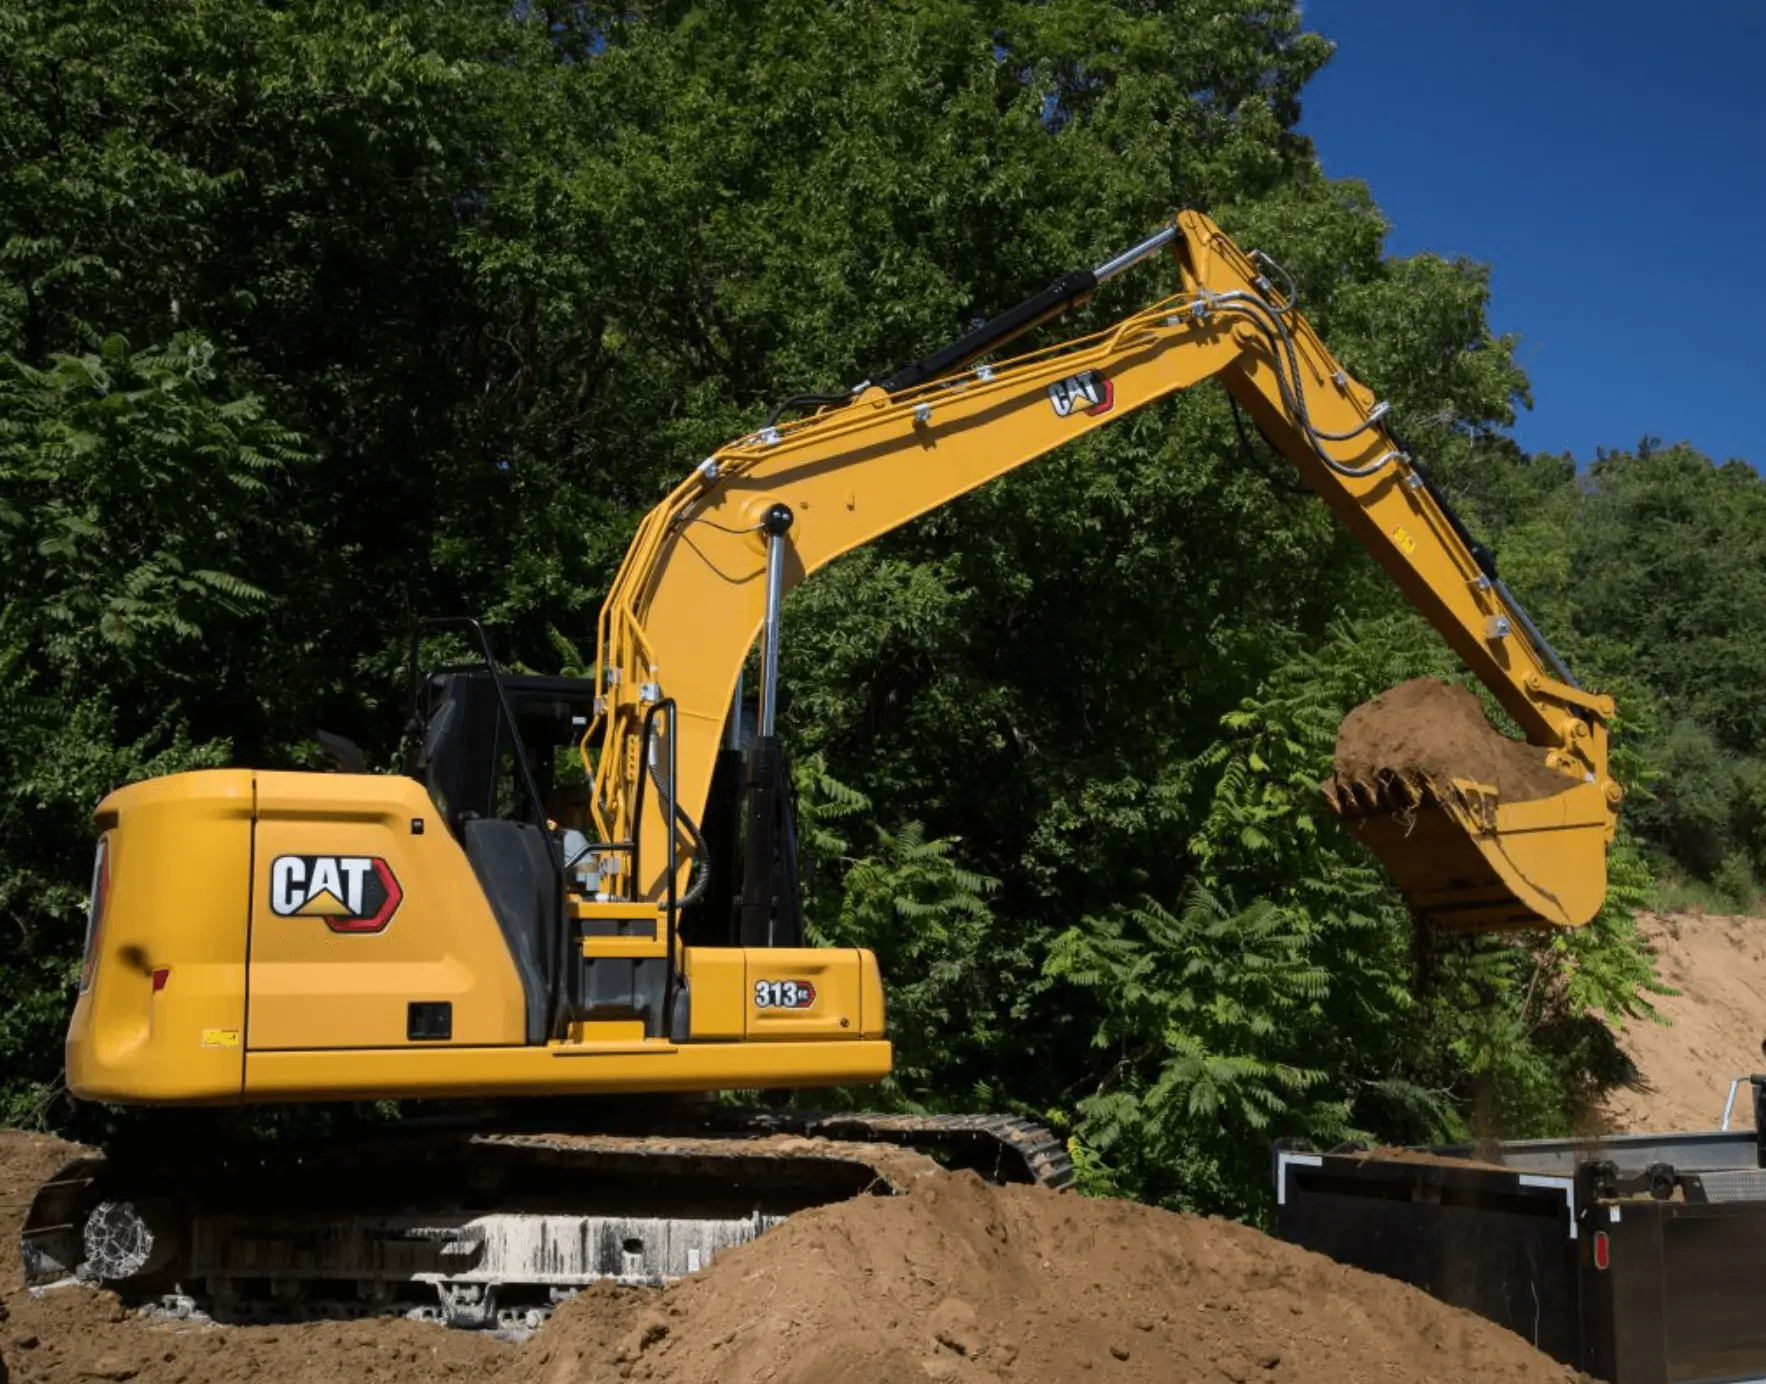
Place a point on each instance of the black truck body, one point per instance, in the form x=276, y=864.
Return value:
x=1640, y=1259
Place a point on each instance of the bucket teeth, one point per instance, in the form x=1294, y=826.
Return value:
x=1400, y=791
x=1394, y=792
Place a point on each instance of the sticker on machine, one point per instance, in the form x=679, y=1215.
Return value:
x=784, y=994
x=352, y=893
x=1086, y=392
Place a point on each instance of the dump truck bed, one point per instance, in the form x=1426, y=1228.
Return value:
x=1640, y=1259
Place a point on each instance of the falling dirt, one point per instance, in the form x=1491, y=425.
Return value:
x=1716, y=1024
x=955, y=1281
x=1427, y=730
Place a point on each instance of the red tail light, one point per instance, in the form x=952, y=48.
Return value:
x=95, y=910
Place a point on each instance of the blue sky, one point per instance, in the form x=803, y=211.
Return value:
x=1608, y=159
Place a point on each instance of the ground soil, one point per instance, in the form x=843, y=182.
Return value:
x=1427, y=730
x=954, y=1281
x=1716, y=1023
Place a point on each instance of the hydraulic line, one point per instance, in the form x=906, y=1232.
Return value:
x=701, y=851
x=1289, y=381
x=1275, y=482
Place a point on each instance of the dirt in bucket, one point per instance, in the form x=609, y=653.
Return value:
x=1426, y=729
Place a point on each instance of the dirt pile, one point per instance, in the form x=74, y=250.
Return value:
x=1425, y=730
x=958, y=1281
x=953, y=1282
x=1716, y=1023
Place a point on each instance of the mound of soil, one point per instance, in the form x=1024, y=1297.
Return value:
x=1426, y=730
x=955, y=1281
x=963, y=1282
x=1713, y=1031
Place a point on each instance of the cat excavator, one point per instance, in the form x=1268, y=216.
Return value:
x=624, y=938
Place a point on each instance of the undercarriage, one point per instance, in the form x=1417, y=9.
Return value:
x=474, y=1227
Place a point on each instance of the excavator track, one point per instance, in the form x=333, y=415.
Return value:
x=1001, y=1148
x=478, y=1227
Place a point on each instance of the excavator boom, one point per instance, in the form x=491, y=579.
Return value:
x=709, y=565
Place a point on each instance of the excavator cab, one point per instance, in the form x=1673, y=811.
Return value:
x=486, y=753
x=467, y=754
x=485, y=742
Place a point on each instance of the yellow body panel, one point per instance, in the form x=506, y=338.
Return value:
x=321, y=1013
x=690, y=596
x=313, y=987
x=834, y=976
x=871, y=1011
x=820, y=1043
x=559, y=1070
x=182, y=844
x=719, y=980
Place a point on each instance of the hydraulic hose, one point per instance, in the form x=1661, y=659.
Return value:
x=701, y=877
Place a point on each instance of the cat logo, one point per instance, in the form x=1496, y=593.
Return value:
x=1088, y=391
x=352, y=893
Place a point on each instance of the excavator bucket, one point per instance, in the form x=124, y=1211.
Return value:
x=1476, y=830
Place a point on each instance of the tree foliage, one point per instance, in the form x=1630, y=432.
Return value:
x=318, y=316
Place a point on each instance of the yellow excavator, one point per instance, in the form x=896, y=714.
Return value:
x=488, y=926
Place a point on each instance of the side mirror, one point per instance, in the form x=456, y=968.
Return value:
x=341, y=755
